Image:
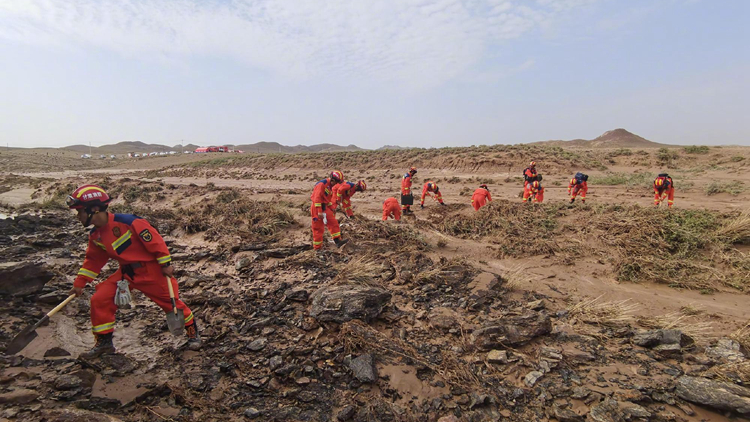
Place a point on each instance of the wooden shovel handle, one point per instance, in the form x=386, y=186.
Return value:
x=57, y=308
x=171, y=290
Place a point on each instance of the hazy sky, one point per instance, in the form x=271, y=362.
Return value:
x=372, y=72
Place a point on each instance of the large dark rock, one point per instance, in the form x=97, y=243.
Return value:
x=719, y=395
x=606, y=411
x=656, y=338
x=23, y=279
x=20, y=396
x=346, y=302
x=512, y=330
x=363, y=369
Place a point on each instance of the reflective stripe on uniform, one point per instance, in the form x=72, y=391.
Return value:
x=189, y=318
x=164, y=259
x=101, y=245
x=337, y=234
x=317, y=243
x=122, y=239
x=88, y=273
x=103, y=327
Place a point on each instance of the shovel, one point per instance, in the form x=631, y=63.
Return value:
x=176, y=318
x=29, y=333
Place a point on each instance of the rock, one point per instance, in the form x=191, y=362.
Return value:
x=536, y=305
x=78, y=379
x=275, y=362
x=341, y=303
x=566, y=415
x=21, y=396
x=258, y=344
x=346, y=413
x=442, y=318
x=56, y=352
x=576, y=355
x=23, y=279
x=633, y=410
x=449, y=418
x=363, y=368
x=251, y=413
x=479, y=400
x=297, y=295
x=74, y=415
x=726, y=349
x=52, y=298
x=497, y=356
x=303, y=381
x=653, y=338
x=719, y=395
x=512, y=331
x=532, y=377
x=243, y=263
x=606, y=411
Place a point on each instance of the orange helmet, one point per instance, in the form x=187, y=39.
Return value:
x=361, y=186
x=659, y=181
x=337, y=176
x=536, y=184
x=532, y=164
x=413, y=170
x=87, y=196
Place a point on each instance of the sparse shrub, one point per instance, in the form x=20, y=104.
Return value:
x=733, y=188
x=453, y=179
x=695, y=149
x=666, y=156
x=631, y=180
x=736, y=158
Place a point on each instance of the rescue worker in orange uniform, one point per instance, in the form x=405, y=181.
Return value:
x=391, y=209
x=322, y=210
x=529, y=174
x=578, y=185
x=145, y=265
x=344, y=192
x=663, y=189
x=480, y=197
x=431, y=188
x=534, y=190
x=407, y=198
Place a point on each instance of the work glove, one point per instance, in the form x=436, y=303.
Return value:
x=325, y=219
x=122, y=296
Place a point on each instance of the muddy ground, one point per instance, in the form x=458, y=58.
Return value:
x=420, y=321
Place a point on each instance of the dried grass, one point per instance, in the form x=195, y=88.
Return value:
x=363, y=270
x=736, y=230
x=734, y=372
x=516, y=277
x=699, y=331
x=596, y=312
x=692, y=310
x=742, y=336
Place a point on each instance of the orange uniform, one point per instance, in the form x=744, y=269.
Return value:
x=407, y=198
x=663, y=189
x=480, y=198
x=391, y=209
x=533, y=192
x=577, y=187
x=529, y=175
x=344, y=192
x=322, y=204
x=427, y=189
x=140, y=251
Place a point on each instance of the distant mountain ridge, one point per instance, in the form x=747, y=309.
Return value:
x=618, y=138
x=258, y=147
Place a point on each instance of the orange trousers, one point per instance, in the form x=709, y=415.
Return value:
x=478, y=202
x=391, y=208
x=667, y=194
x=148, y=280
x=579, y=190
x=318, y=228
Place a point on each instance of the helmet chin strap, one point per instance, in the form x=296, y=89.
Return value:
x=89, y=216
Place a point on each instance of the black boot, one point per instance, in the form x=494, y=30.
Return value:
x=194, y=337
x=340, y=242
x=103, y=346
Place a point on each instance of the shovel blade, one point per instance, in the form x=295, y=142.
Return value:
x=21, y=340
x=176, y=322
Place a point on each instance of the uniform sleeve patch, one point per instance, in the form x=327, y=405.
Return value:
x=146, y=235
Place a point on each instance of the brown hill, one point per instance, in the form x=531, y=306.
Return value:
x=259, y=147
x=275, y=147
x=618, y=138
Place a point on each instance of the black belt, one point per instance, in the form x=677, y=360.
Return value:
x=128, y=269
